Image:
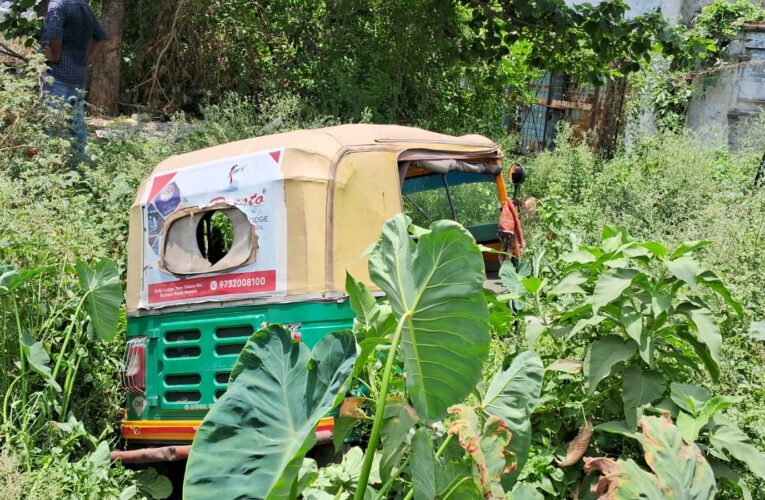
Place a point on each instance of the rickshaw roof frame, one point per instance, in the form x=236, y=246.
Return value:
x=310, y=156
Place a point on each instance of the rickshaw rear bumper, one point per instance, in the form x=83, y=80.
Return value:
x=181, y=433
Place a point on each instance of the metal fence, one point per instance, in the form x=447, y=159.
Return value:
x=593, y=112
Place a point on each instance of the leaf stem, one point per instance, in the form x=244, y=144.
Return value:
x=22, y=355
x=382, y=399
x=67, y=337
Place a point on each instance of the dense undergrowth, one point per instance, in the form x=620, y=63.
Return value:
x=670, y=188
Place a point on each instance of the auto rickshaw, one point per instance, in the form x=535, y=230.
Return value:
x=229, y=238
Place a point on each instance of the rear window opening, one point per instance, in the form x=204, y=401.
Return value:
x=207, y=240
x=215, y=235
x=463, y=191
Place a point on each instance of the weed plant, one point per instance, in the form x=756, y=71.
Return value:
x=672, y=187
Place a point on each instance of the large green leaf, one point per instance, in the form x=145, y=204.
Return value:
x=690, y=424
x=512, y=396
x=525, y=491
x=11, y=278
x=602, y=355
x=436, y=288
x=734, y=441
x=610, y=286
x=38, y=359
x=252, y=442
x=640, y=388
x=512, y=281
x=103, y=295
x=689, y=397
x=685, y=268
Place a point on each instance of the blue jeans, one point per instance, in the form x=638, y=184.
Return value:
x=68, y=103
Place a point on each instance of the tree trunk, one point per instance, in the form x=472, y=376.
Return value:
x=105, y=80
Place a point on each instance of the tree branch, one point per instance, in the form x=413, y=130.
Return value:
x=7, y=51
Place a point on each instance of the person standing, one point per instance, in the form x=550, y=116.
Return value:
x=72, y=39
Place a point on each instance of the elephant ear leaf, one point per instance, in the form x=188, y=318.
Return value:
x=103, y=295
x=252, y=442
x=435, y=288
x=512, y=396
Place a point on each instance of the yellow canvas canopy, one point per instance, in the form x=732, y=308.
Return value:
x=339, y=185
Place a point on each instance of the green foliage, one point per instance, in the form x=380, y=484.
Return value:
x=399, y=61
x=679, y=469
x=286, y=389
x=672, y=188
x=594, y=41
x=722, y=21
x=437, y=300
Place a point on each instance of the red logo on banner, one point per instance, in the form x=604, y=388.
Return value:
x=213, y=286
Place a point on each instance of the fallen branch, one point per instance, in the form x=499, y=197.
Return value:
x=7, y=51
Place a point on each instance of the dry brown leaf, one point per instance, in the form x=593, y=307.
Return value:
x=578, y=446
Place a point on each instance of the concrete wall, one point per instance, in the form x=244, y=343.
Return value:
x=725, y=100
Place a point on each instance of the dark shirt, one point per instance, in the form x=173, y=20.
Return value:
x=74, y=22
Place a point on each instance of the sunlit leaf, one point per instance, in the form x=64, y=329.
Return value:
x=687, y=269
x=436, y=286
x=757, y=330
x=571, y=366
x=610, y=286
x=689, y=397
x=706, y=328
x=253, y=440
x=602, y=355
x=512, y=396
x=361, y=301
x=103, y=295
x=153, y=485
x=569, y=284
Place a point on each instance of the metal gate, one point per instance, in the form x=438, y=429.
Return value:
x=593, y=112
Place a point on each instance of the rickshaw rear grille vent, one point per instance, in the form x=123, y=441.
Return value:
x=183, y=352
x=229, y=349
x=183, y=396
x=219, y=394
x=190, y=379
x=184, y=336
x=222, y=377
x=233, y=332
